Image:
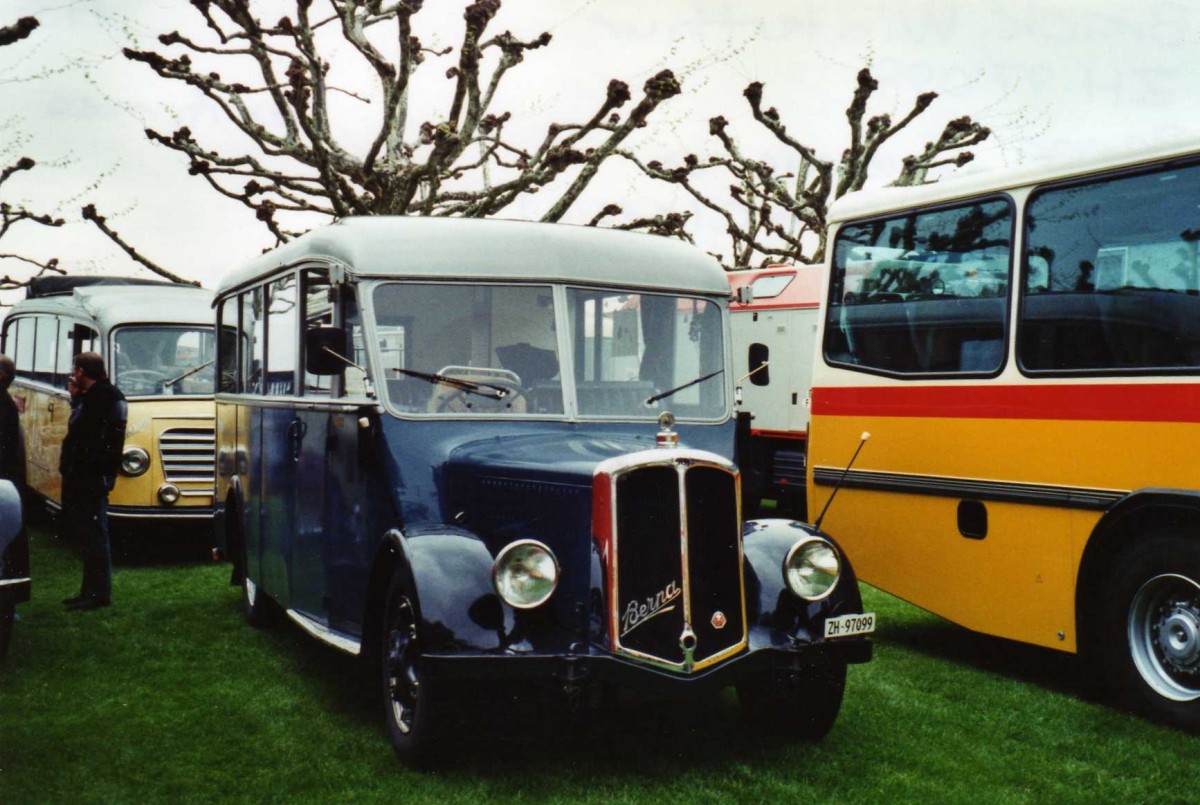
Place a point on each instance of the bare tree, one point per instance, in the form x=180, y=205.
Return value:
x=295, y=156
x=772, y=215
x=14, y=215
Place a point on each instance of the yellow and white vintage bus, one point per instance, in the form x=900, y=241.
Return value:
x=1025, y=355
x=157, y=342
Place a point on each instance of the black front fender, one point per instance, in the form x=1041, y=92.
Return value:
x=450, y=573
x=770, y=604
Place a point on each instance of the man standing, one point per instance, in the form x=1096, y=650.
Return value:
x=91, y=456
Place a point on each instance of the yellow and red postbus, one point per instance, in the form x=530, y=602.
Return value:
x=1025, y=355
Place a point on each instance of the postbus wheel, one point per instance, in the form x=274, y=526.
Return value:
x=7, y=616
x=804, y=707
x=421, y=714
x=1150, y=635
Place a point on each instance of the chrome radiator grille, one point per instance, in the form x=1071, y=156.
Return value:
x=676, y=562
x=188, y=454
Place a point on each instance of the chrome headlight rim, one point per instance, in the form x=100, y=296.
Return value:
x=505, y=559
x=795, y=551
x=169, y=494
x=135, y=461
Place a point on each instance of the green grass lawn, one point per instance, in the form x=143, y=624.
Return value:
x=170, y=696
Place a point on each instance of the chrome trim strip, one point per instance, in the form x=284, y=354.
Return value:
x=197, y=513
x=14, y=582
x=1071, y=497
x=323, y=633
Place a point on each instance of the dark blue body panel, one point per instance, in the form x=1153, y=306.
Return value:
x=353, y=492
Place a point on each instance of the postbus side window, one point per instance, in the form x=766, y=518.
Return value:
x=283, y=336
x=21, y=347
x=73, y=338
x=318, y=312
x=252, y=329
x=45, y=349
x=354, y=383
x=228, y=378
x=922, y=293
x=1112, y=275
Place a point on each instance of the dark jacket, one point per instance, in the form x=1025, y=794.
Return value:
x=95, y=435
x=12, y=442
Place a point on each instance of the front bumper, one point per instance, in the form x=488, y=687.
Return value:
x=599, y=666
x=189, y=513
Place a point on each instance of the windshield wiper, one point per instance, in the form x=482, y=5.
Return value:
x=664, y=394
x=189, y=373
x=494, y=392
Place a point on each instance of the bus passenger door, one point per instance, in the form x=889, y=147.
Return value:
x=283, y=437
x=309, y=445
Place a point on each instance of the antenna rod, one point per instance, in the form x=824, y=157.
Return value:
x=865, y=437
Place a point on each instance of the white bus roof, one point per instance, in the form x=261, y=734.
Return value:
x=114, y=305
x=866, y=204
x=493, y=249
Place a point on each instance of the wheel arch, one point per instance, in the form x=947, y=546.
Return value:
x=1141, y=512
x=449, y=572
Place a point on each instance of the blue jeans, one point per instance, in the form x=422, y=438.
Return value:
x=85, y=508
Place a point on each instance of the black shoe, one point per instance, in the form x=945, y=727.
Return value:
x=89, y=603
x=72, y=601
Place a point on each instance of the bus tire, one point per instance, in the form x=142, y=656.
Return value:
x=1150, y=629
x=804, y=707
x=421, y=714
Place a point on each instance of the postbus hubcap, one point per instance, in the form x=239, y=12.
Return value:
x=1164, y=636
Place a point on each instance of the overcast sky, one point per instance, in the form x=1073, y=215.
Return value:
x=1053, y=79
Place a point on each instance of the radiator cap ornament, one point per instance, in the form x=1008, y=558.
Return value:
x=667, y=437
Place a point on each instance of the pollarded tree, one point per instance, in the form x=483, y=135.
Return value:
x=12, y=215
x=300, y=130
x=772, y=215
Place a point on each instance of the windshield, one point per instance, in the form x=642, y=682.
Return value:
x=494, y=349
x=163, y=360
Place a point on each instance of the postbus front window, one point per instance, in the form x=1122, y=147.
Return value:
x=150, y=361
x=468, y=349
x=632, y=348
x=493, y=349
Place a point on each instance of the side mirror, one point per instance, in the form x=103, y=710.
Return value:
x=327, y=350
x=745, y=295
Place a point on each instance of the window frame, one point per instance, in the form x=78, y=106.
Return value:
x=1016, y=218
x=1041, y=189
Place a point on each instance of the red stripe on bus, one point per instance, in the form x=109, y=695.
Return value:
x=1157, y=402
x=780, y=434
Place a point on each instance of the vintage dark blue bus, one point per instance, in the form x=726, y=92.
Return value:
x=472, y=450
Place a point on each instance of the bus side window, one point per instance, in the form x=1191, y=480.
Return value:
x=252, y=329
x=760, y=372
x=318, y=312
x=45, y=349
x=228, y=377
x=283, y=337
x=22, y=352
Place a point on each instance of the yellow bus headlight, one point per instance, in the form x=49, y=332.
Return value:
x=134, y=461
x=812, y=568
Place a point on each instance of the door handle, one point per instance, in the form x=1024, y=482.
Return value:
x=296, y=432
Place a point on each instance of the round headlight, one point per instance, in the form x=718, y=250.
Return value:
x=811, y=568
x=168, y=494
x=525, y=574
x=134, y=461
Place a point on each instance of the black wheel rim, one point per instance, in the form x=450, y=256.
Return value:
x=401, y=666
